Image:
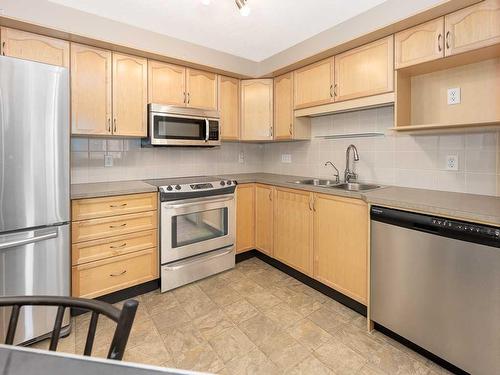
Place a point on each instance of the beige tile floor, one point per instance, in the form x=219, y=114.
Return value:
x=253, y=319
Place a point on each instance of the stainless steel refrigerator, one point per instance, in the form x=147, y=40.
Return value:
x=34, y=190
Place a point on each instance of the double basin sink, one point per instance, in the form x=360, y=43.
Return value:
x=348, y=186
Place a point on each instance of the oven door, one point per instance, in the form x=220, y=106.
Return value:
x=194, y=226
x=181, y=130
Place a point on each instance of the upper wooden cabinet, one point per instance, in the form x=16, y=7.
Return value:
x=166, y=83
x=366, y=70
x=28, y=46
x=229, y=107
x=286, y=125
x=293, y=229
x=90, y=90
x=201, y=89
x=474, y=27
x=245, y=217
x=313, y=84
x=341, y=244
x=257, y=110
x=264, y=218
x=130, y=91
x=420, y=43
x=176, y=85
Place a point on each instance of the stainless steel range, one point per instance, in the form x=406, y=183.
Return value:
x=197, y=228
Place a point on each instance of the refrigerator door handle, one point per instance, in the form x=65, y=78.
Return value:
x=26, y=241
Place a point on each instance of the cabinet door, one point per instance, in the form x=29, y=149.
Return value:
x=420, y=43
x=474, y=27
x=166, y=83
x=229, y=107
x=201, y=89
x=34, y=47
x=257, y=109
x=293, y=229
x=313, y=84
x=364, y=71
x=245, y=217
x=129, y=95
x=340, y=244
x=264, y=218
x=90, y=90
x=283, y=106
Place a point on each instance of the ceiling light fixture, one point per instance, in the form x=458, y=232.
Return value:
x=243, y=7
x=205, y=2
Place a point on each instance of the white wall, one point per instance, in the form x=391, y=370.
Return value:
x=403, y=160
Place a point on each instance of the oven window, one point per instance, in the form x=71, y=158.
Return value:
x=168, y=127
x=199, y=226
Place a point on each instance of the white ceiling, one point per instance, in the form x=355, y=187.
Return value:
x=272, y=26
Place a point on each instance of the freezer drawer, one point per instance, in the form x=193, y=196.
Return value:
x=38, y=265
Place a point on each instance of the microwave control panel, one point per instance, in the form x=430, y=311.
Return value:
x=213, y=130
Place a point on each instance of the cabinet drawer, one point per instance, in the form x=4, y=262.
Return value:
x=92, y=208
x=90, y=251
x=109, y=275
x=112, y=226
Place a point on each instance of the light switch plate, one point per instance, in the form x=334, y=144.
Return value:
x=241, y=157
x=108, y=160
x=454, y=96
x=452, y=162
x=286, y=158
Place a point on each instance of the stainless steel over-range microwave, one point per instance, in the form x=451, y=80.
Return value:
x=181, y=126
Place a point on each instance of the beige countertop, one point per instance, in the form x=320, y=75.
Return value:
x=471, y=207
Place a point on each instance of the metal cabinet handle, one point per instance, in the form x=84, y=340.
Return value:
x=271, y=195
x=331, y=91
x=335, y=90
x=290, y=129
x=118, y=226
x=118, y=274
x=188, y=97
x=3, y=48
x=314, y=204
x=439, y=42
x=114, y=125
x=117, y=205
x=119, y=246
x=448, y=39
x=184, y=97
x=310, y=205
x=271, y=133
x=109, y=125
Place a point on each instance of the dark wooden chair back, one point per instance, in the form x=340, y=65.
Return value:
x=123, y=318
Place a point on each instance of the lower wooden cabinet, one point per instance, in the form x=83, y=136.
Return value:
x=341, y=244
x=245, y=217
x=264, y=213
x=293, y=229
x=110, y=275
x=114, y=243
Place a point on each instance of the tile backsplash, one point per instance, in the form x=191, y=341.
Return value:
x=393, y=159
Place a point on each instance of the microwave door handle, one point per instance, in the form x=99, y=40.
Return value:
x=207, y=129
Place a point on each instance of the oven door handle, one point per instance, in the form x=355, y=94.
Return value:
x=202, y=258
x=197, y=201
x=207, y=129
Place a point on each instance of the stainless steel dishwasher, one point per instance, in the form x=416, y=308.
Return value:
x=436, y=283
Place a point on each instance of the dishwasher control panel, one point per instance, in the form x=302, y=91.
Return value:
x=466, y=227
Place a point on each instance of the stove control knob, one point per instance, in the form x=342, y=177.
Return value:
x=222, y=183
x=169, y=187
x=229, y=182
x=177, y=187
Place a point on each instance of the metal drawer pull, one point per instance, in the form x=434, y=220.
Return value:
x=119, y=246
x=447, y=40
x=439, y=42
x=118, y=226
x=117, y=205
x=118, y=274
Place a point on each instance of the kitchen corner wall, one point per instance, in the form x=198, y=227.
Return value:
x=393, y=159
x=131, y=162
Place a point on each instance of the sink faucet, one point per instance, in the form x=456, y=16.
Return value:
x=337, y=178
x=348, y=173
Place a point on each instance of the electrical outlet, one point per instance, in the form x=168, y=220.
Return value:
x=286, y=158
x=108, y=160
x=454, y=96
x=452, y=162
x=241, y=157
